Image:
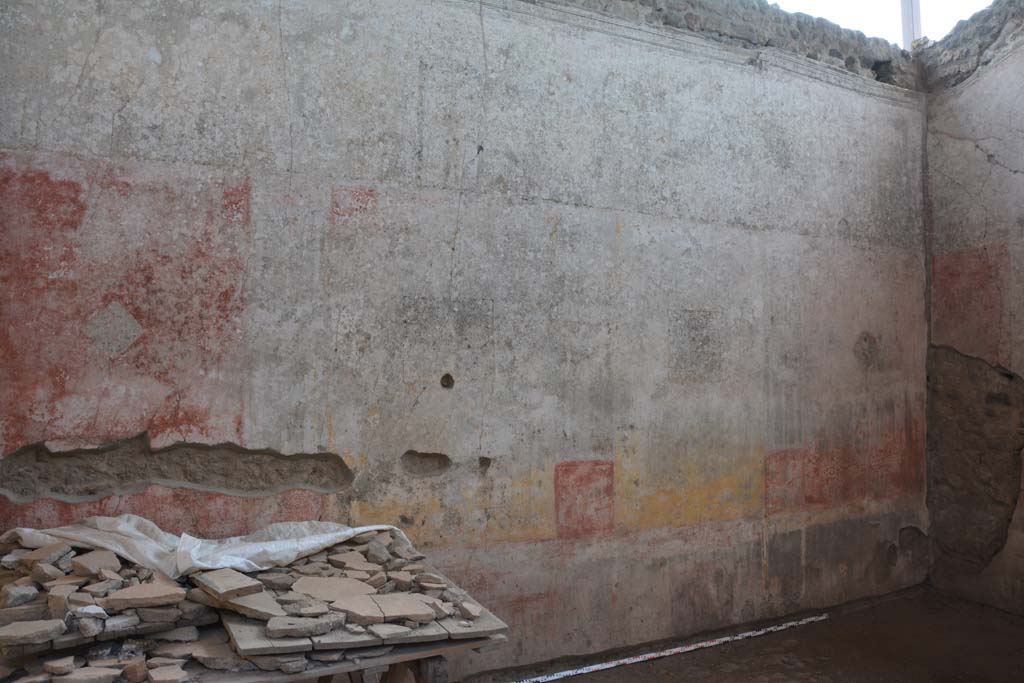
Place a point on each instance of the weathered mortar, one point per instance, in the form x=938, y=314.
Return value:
x=973, y=43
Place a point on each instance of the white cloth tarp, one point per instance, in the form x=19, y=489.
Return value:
x=141, y=541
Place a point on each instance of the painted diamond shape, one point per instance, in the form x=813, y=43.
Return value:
x=113, y=329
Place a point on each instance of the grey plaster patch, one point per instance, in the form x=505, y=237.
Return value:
x=696, y=346
x=445, y=336
x=113, y=329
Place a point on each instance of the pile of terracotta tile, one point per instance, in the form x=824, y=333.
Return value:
x=354, y=601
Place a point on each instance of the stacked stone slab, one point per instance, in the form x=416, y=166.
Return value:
x=115, y=620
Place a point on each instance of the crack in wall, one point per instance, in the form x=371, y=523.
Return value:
x=130, y=465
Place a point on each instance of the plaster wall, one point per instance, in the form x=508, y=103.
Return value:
x=976, y=184
x=679, y=286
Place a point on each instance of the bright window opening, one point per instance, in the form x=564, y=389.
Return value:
x=938, y=17
x=883, y=18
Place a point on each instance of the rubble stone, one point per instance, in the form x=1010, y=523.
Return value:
x=297, y=627
x=226, y=584
x=120, y=624
x=469, y=610
x=91, y=563
x=72, y=580
x=291, y=663
x=43, y=572
x=168, y=674
x=91, y=612
x=89, y=626
x=135, y=670
x=72, y=638
x=306, y=608
x=402, y=606
x=92, y=674
x=61, y=665
x=193, y=612
x=156, y=662
x=403, y=580
x=327, y=655
x=102, y=588
x=34, y=678
x=57, y=605
x=159, y=614
x=386, y=631
x=277, y=582
x=184, y=634
x=257, y=606
x=80, y=600
x=146, y=595
x=330, y=589
x=353, y=560
x=12, y=595
x=220, y=656
x=47, y=554
x=31, y=632
x=359, y=609
x=64, y=563
x=377, y=552
x=10, y=560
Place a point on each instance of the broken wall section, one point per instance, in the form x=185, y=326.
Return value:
x=976, y=42
x=758, y=23
x=976, y=186
x=219, y=490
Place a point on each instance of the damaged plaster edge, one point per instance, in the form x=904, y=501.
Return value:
x=61, y=447
x=141, y=487
x=128, y=466
x=954, y=556
x=702, y=45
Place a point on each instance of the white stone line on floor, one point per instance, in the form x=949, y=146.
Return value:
x=714, y=642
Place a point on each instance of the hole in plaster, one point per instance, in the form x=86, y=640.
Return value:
x=884, y=72
x=425, y=464
x=913, y=540
x=447, y=381
x=892, y=555
x=485, y=464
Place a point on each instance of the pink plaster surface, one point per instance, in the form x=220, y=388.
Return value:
x=82, y=238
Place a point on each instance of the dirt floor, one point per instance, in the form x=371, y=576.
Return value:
x=909, y=637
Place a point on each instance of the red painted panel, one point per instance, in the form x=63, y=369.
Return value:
x=350, y=201
x=86, y=242
x=783, y=480
x=968, y=289
x=833, y=474
x=584, y=498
